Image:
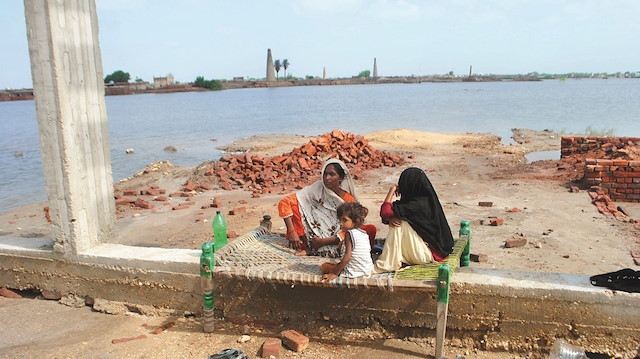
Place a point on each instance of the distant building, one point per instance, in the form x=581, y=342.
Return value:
x=162, y=82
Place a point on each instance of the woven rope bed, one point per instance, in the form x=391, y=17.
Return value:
x=264, y=256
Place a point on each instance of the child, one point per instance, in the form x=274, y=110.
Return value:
x=356, y=261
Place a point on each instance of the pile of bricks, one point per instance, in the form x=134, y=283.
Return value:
x=297, y=168
x=604, y=203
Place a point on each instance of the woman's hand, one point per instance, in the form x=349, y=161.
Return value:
x=393, y=191
x=328, y=277
x=395, y=222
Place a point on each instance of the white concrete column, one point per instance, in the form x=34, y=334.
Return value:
x=66, y=67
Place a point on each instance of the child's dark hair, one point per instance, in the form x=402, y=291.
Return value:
x=353, y=210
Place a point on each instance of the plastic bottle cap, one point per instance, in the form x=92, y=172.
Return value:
x=217, y=212
x=207, y=247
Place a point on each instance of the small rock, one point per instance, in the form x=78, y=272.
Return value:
x=244, y=339
x=538, y=245
x=479, y=257
x=129, y=151
x=170, y=149
x=246, y=330
x=73, y=301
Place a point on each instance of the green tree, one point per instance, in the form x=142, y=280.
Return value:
x=208, y=84
x=365, y=73
x=117, y=76
x=277, y=66
x=285, y=64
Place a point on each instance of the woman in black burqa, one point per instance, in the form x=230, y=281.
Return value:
x=418, y=229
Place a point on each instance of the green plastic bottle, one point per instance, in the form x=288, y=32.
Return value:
x=219, y=226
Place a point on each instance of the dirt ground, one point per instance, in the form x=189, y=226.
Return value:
x=565, y=233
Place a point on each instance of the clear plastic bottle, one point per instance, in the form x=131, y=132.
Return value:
x=219, y=226
x=563, y=350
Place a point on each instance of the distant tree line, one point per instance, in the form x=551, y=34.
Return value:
x=208, y=84
x=117, y=76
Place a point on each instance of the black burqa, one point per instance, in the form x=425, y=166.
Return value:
x=420, y=207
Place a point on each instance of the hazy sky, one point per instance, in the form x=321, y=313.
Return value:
x=223, y=39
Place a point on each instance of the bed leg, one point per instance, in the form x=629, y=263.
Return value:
x=465, y=230
x=444, y=278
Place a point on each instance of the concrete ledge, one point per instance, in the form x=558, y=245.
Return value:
x=499, y=310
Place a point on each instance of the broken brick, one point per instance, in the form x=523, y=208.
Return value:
x=294, y=340
x=8, y=293
x=237, y=210
x=515, y=242
x=271, y=347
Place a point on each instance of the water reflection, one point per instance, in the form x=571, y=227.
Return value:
x=543, y=155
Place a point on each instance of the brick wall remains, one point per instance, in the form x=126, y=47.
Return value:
x=612, y=163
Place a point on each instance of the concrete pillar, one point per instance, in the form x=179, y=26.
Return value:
x=66, y=67
x=375, y=68
x=271, y=75
x=324, y=73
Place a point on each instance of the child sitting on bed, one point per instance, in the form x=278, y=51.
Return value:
x=356, y=261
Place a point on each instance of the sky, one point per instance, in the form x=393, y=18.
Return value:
x=225, y=39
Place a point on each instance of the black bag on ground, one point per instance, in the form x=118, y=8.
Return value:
x=626, y=280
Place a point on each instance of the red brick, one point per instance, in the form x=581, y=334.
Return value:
x=515, y=242
x=125, y=200
x=160, y=199
x=8, y=293
x=271, y=346
x=143, y=204
x=152, y=192
x=129, y=192
x=485, y=204
x=620, y=162
x=496, y=221
x=189, y=187
x=294, y=340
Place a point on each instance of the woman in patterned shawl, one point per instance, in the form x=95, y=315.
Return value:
x=310, y=214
